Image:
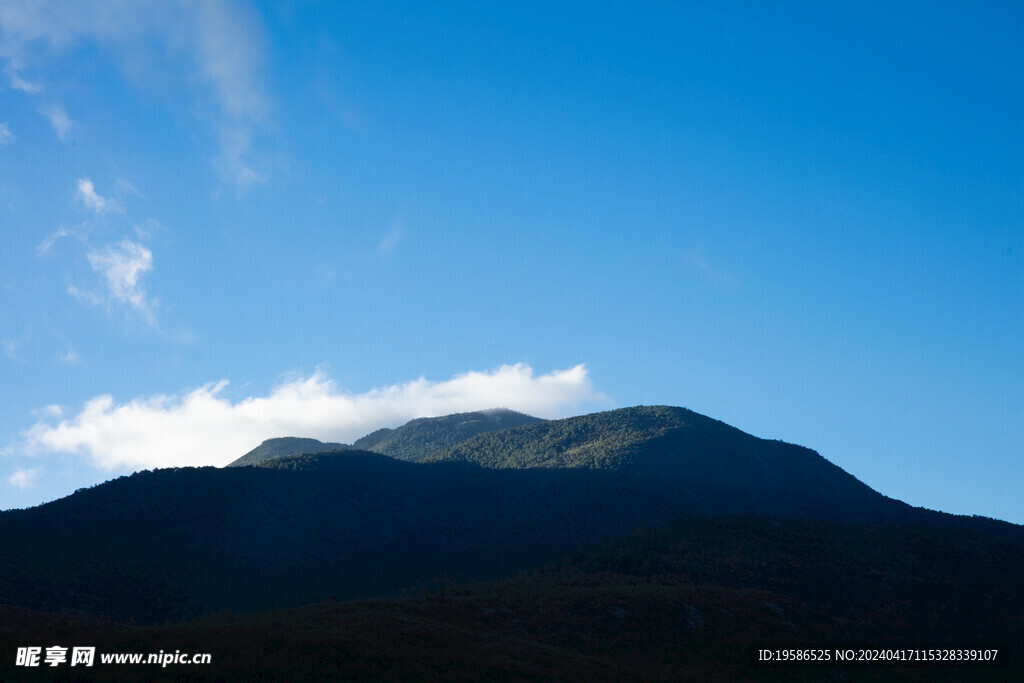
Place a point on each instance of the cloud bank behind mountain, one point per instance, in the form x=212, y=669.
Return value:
x=203, y=427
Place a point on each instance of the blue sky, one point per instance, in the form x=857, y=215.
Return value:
x=221, y=222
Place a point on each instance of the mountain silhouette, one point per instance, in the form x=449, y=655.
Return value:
x=613, y=498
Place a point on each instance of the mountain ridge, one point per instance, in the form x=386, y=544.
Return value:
x=418, y=439
x=179, y=543
x=415, y=440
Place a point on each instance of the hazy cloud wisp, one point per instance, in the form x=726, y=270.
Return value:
x=59, y=119
x=220, y=42
x=19, y=83
x=201, y=427
x=23, y=478
x=390, y=242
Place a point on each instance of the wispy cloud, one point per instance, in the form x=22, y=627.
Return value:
x=86, y=193
x=51, y=239
x=23, y=478
x=390, y=242
x=234, y=161
x=229, y=56
x=125, y=187
x=201, y=427
x=6, y=136
x=19, y=83
x=698, y=260
x=10, y=347
x=59, y=119
x=123, y=266
x=52, y=410
x=324, y=273
x=218, y=44
x=70, y=358
x=85, y=296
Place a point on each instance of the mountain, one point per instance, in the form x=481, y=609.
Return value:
x=707, y=462
x=286, y=445
x=628, y=509
x=414, y=441
x=711, y=467
x=420, y=439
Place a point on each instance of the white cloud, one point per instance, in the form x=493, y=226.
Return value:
x=86, y=193
x=201, y=427
x=23, y=478
x=52, y=410
x=123, y=265
x=59, y=119
x=218, y=44
x=6, y=136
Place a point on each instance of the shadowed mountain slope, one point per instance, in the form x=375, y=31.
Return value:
x=701, y=458
x=176, y=543
x=716, y=468
x=681, y=601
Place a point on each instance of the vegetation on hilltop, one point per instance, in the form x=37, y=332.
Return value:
x=678, y=447
x=414, y=441
x=285, y=445
x=599, y=441
x=418, y=439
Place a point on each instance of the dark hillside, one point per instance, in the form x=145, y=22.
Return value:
x=175, y=543
x=681, y=601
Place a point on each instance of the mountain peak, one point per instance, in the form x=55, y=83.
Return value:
x=422, y=438
x=284, y=445
x=677, y=447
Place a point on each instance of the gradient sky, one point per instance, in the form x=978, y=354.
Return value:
x=221, y=222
